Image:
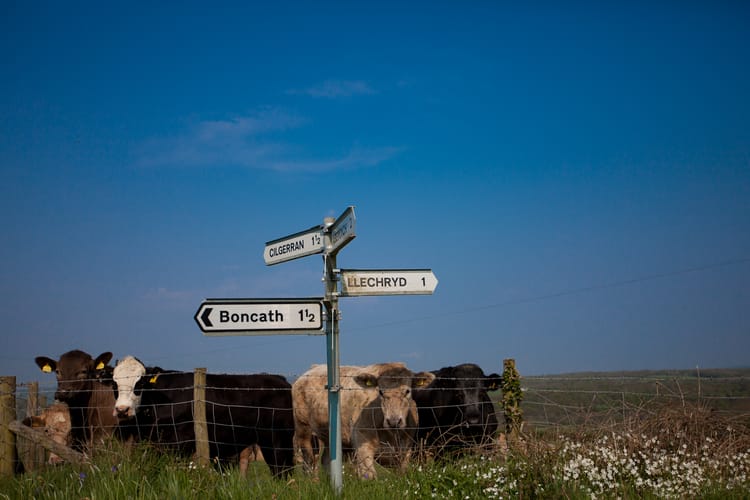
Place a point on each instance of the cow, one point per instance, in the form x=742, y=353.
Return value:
x=89, y=399
x=55, y=421
x=455, y=411
x=241, y=411
x=378, y=417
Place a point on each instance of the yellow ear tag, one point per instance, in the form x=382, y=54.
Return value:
x=420, y=383
x=100, y=366
x=153, y=379
x=47, y=369
x=369, y=383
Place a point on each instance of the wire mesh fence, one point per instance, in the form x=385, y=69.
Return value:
x=591, y=400
x=550, y=404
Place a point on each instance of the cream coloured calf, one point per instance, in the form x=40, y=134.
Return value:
x=55, y=421
x=378, y=416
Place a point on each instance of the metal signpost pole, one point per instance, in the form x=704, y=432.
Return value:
x=332, y=357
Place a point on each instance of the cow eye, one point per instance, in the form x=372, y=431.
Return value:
x=381, y=392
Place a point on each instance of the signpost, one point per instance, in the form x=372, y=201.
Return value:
x=358, y=282
x=226, y=317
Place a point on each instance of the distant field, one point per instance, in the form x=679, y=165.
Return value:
x=575, y=399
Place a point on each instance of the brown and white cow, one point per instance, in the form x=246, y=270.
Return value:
x=55, y=421
x=89, y=399
x=378, y=416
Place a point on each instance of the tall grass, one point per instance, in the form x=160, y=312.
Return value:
x=683, y=451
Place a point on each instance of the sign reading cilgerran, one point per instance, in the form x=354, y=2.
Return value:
x=356, y=282
x=220, y=317
x=294, y=246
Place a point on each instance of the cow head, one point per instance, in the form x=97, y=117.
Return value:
x=55, y=421
x=76, y=371
x=130, y=378
x=394, y=387
x=466, y=387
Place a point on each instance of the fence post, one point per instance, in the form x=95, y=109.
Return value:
x=199, y=417
x=512, y=397
x=33, y=407
x=7, y=415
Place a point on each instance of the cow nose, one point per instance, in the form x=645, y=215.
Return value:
x=120, y=411
x=394, y=422
x=473, y=417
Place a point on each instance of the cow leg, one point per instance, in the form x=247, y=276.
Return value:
x=365, y=458
x=304, y=449
x=245, y=460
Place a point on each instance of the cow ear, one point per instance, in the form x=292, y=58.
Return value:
x=46, y=364
x=153, y=374
x=366, y=380
x=492, y=382
x=422, y=379
x=37, y=421
x=101, y=361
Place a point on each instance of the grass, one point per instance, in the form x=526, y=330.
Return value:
x=670, y=452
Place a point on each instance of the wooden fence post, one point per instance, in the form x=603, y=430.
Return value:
x=512, y=397
x=199, y=417
x=33, y=406
x=38, y=437
x=7, y=415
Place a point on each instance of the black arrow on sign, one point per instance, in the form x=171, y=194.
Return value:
x=204, y=317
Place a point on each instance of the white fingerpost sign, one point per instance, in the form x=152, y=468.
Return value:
x=342, y=230
x=357, y=282
x=223, y=317
x=294, y=246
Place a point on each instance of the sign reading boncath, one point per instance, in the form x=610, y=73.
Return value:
x=262, y=316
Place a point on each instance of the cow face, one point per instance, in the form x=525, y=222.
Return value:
x=467, y=387
x=394, y=389
x=128, y=376
x=75, y=371
x=55, y=421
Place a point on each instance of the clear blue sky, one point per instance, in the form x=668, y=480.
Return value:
x=577, y=176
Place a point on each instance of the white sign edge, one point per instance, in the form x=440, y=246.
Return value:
x=261, y=333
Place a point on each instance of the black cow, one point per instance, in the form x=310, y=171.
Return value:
x=80, y=386
x=241, y=411
x=455, y=411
